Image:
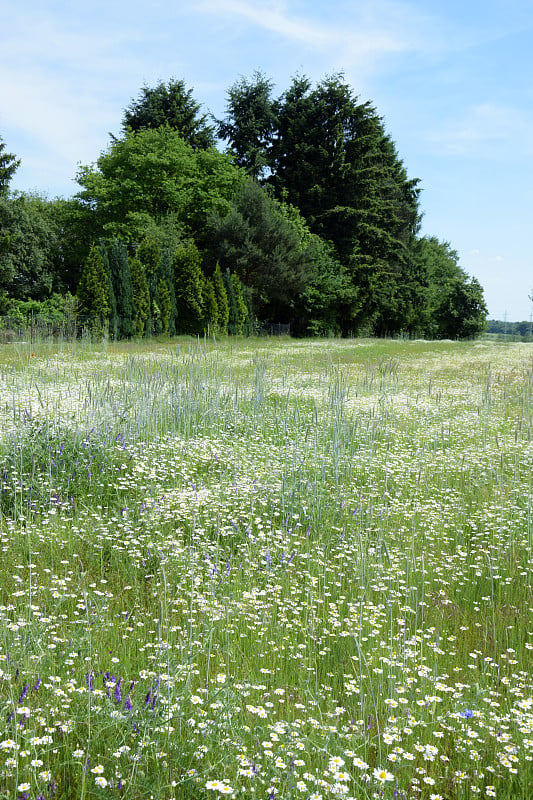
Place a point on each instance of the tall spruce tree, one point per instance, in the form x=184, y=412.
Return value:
x=170, y=104
x=250, y=123
x=329, y=155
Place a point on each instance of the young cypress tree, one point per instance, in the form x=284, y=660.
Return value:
x=210, y=306
x=188, y=287
x=93, y=291
x=166, y=284
x=141, y=296
x=165, y=305
x=121, y=279
x=222, y=300
x=113, y=319
x=149, y=255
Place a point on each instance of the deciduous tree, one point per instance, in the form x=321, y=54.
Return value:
x=29, y=246
x=150, y=175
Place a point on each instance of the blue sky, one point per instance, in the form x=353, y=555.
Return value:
x=452, y=80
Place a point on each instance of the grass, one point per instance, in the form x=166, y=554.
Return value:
x=266, y=568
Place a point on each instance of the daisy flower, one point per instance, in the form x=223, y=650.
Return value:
x=382, y=775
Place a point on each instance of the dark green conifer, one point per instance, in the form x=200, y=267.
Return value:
x=188, y=287
x=93, y=291
x=210, y=307
x=121, y=279
x=141, y=296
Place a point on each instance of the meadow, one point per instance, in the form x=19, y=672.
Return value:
x=265, y=568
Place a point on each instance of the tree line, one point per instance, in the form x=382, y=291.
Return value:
x=292, y=209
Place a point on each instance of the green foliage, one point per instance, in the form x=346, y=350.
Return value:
x=166, y=293
x=238, y=311
x=29, y=243
x=77, y=224
x=328, y=300
x=141, y=296
x=147, y=176
x=462, y=312
x=328, y=242
x=455, y=307
x=250, y=123
x=93, y=293
x=8, y=166
x=240, y=305
x=188, y=288
x=51, y=311
x=523, y=329
x=112, y=316
x=165, y=304
x=210, y=306
x=173, y=105
x=149, y=255
x=122, y=287
x=221, y=300
x=329, y=156
x=258, y=242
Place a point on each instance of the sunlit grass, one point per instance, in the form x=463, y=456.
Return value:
x=266, y=568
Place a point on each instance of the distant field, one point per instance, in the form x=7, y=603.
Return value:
x=266, y=568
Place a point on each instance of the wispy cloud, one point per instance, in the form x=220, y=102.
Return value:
x=487, y=130
x=360, y=35
x=59, y=79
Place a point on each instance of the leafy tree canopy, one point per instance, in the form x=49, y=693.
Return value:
x=29, y=247
x=151, y=174
x=454, y=303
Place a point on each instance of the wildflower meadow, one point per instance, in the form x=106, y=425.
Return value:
x=266, y=568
